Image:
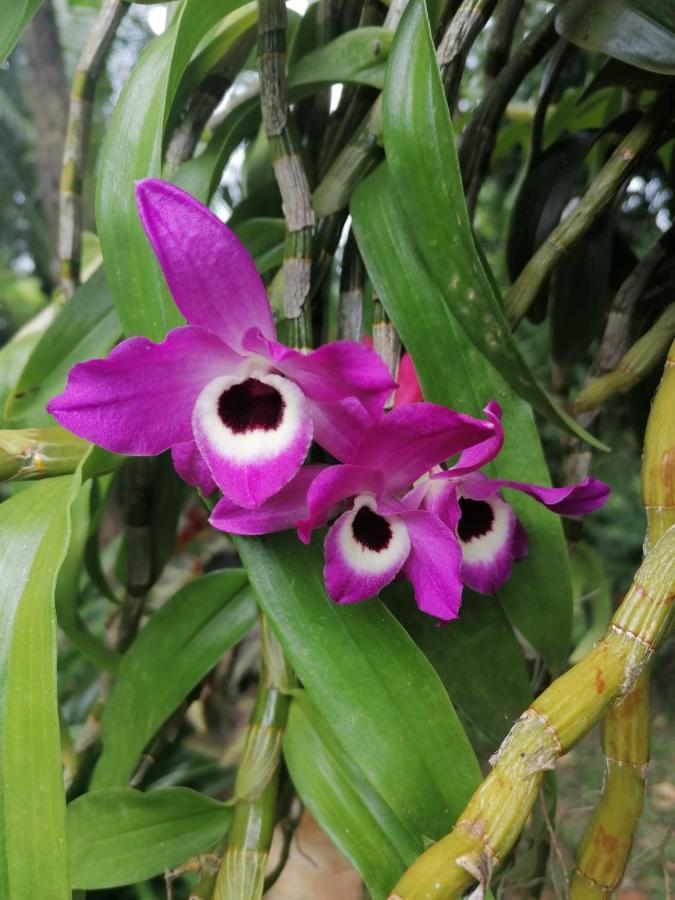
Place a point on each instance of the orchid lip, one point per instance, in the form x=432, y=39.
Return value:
x=249, y=417
x=476, y=519
x=372, y=543
x=486, y=529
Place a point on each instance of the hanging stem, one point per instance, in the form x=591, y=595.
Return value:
x=87, y=73
x=288, y=168
x=478, y=140
x=489, y=826
x=501, y=37
x=242, y=872
x=464, y=28
x=606, y=845
x=350, y=309
x=637, y=145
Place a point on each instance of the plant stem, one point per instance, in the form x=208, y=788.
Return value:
x=386, y=342
x=606, y=845
x=558, y=718
x=242, y=872
x=637, y=144
x=464, y=28
x=288, y=167
x=350, y=310
x=30, y=453
x=138, y=543
x=479, y=137
x=89, y=68
x=501, y=37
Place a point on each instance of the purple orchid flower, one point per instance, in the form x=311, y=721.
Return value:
x=237, y=408
x=379, y=534
x=471, y=505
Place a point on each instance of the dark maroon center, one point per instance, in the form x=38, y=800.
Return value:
x=371, y=530
x=251, y=406
x=476, y=519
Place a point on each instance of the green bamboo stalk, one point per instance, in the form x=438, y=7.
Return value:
x=491, y=823
x=635, y=147
x=288, y=167
x=607, y=842
x=31, y=453
x=87, y=73
x=479, y=137
x=641, y=358
x=242, y=871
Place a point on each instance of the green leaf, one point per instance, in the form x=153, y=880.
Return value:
x=13, y=356
x=15, y=16
x=477, y=657
x=452, y=372
x=381, y=697
x=639, y=32
x=264, y=240
x=121, y=836
x=133, y=150
x=343, y=802
x=34, y=526
x=86, y=326
x=175, y=650
x=421, y=155
x=355, y=57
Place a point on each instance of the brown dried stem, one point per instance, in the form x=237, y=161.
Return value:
x=465, y=26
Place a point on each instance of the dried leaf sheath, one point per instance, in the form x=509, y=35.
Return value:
x=242, y=872
x=288, y=167
x=494, y=817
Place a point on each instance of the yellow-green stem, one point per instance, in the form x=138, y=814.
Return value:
x=30, y=453
x=637, y=144
x=560, y=716
x=242, y=872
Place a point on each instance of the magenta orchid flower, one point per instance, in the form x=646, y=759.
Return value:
x=378, y=535
x=470, y=504
x=237, y=409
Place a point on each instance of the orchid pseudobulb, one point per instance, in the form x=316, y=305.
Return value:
x=238, y=409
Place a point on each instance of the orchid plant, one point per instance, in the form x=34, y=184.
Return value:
x=320, y=572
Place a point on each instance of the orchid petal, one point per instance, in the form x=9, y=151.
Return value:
x=333, y=372
x=440, y=498
x=254, y=434
x=572, y=500
x=334, y=484
x=486, y=532
x=190, y=465
x=139, y=400
x=339, y=426
x=280, y=512
x=433, y=565
x=411, y=440
x=475, y=457
x=210, y=274
x=409, y=390
x=364, y=552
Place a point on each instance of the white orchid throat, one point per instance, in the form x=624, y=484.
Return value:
x=370, y=543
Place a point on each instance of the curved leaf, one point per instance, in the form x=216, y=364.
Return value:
x=122, y=836
x=178, y=646
x=421, y=155
x=15, y=16
x=639, y=32
x=355, y=57
x=34, y=528
x=343, y=802
x=452, y=372
x=370, y=683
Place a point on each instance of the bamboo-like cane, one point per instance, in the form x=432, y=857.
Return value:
x=350, y=309
x=464, y=28
x=31, y=453
x=636, y=146
x=641, y=358
x=288, y=168
x=89, y=68
x=558, y=718
x=242, y=872
x=606, y=845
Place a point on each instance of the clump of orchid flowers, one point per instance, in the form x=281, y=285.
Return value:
x=239, y=412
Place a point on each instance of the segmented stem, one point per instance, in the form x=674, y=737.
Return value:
x=87, y=73
x=465, y=26
x=386, y=342
x=350, y=309
x=501, y=37
x=558, y=718
x=288, y=167
x=606, y=845
x=641, y=358
x=242, y=872
x=637, y=144
x=31, y=453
